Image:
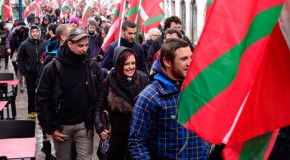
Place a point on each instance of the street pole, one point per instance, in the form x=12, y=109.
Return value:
x=20, y=10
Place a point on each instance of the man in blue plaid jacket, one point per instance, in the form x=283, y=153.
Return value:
x=154, y=134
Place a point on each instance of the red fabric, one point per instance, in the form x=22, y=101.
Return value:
x=156, y=55
x=7, y=9
x=267, y=107
x=114, y=30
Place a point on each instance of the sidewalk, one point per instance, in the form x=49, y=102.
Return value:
x=21, y=107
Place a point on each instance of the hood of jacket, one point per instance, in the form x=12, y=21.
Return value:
x=118, y=51
x=160, y=75
x=71, y=59
x=21, y=28
x=29, y=32
x=52, y=47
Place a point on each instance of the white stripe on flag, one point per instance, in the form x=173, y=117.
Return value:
x=228, y=135
x=143, y=14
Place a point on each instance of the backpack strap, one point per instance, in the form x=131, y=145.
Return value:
x=59, y=68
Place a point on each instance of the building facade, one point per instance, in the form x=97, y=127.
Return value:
x=186, y=10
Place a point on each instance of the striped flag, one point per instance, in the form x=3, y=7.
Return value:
x=87, y=13
x=238, y=82
x=5, y=10
x=35, y=7
x=152, y=14
x=63, y=9
x=146, y=14
x=54, y=4
x=114, y=31
x=73, y=7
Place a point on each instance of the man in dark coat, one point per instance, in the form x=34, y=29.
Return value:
x=94, y=38
x=66, y=97
x=28, y=57
x=127, y=40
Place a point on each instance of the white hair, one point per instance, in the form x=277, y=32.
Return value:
x=151, y=32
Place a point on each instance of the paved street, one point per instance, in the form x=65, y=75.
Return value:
x=21, y=105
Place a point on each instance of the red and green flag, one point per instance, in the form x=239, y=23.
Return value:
x=64, y=8
x=114, y=31
x=5, y=10
x=35, y=7
x=257, y=148
x=237, y=86
x=87, y=13
x=146, y=14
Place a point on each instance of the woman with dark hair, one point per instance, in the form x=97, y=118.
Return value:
x=4, y=31
x=120, y=88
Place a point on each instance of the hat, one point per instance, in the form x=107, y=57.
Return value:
x=74, y=19
x=76, y=34
x=98, y=18
x=45, y=18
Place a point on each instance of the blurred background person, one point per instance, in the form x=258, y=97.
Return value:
x=4, y=32
x=74, y=21
x=20, y=34
x=152, y=35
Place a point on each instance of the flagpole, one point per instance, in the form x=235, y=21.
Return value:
x=137, y=20
x=122, y=19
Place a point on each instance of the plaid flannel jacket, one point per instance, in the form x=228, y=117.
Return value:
x=154, y=134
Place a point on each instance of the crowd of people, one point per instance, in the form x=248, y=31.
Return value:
x=71, y=82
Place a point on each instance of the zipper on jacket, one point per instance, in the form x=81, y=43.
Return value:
x=36, y=49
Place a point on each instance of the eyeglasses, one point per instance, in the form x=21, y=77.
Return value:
x=156, y=35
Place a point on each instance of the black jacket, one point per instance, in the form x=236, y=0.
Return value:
x=78, y=92
x=20, y=34
x=120, y=106
x=146, y=47
x=107, y=61
x=29, y=54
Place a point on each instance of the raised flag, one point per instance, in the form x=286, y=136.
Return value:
x=54, y=4
x=146, y=13
x=6, y=10
x=151, y=13
x=237, y=86
x=114, y=31
x=257, y=148
x=63, y=9
x=73, y=6
x=87, y=13
x=35, y=7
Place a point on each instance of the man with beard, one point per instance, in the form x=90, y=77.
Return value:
x=154, y=134
x=127, y=40
x=94, y=38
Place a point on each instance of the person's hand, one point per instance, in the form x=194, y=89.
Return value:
x=58, y=136
x=105, y=134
